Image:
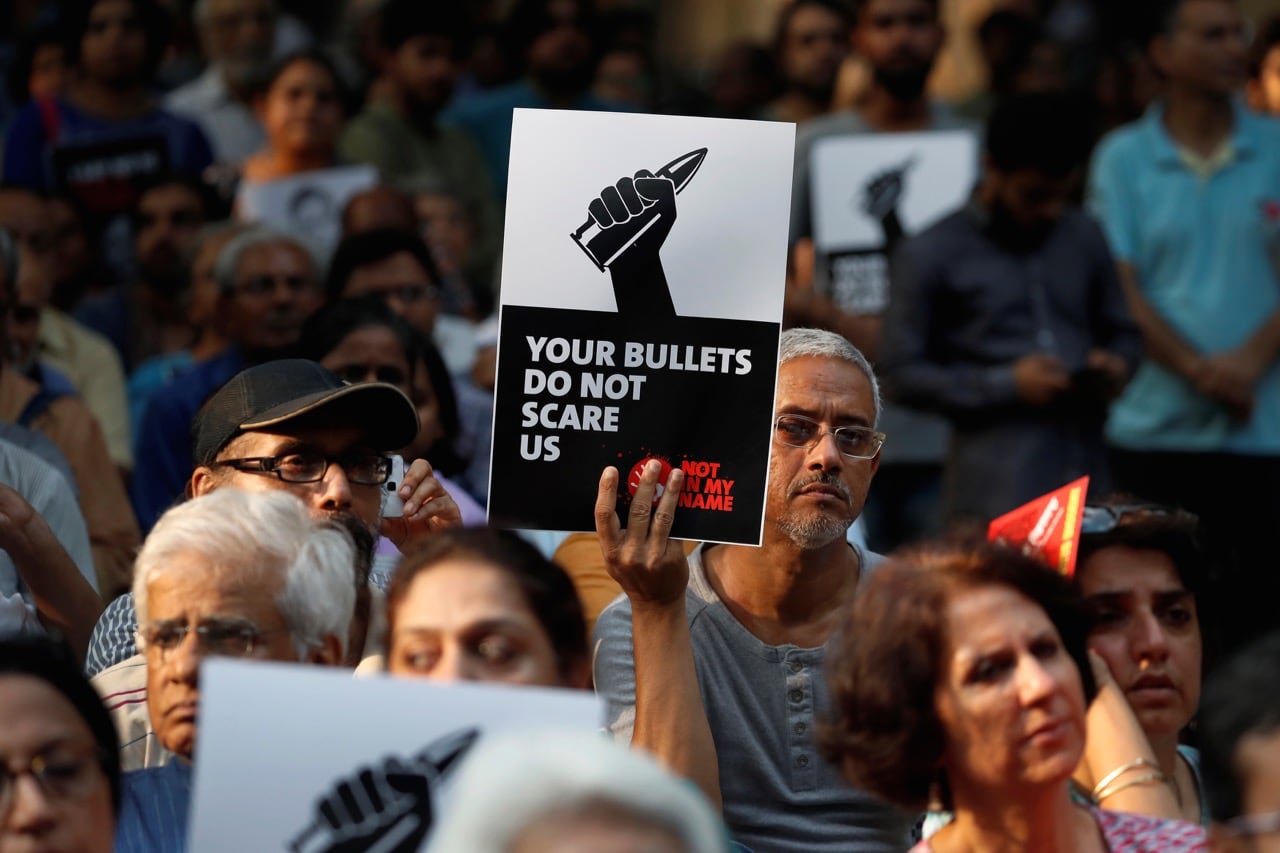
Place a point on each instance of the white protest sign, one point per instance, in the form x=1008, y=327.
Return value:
x=303, y=758
x=307, y=205
x=869, y=191
x=858, y=178
x=642, y=288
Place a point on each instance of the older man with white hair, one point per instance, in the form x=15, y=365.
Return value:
x=233, y=574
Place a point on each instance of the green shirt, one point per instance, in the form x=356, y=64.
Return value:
x=383, y=138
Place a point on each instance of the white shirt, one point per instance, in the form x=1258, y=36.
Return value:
x=232, y=129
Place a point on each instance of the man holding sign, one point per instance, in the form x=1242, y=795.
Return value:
x=715, y=665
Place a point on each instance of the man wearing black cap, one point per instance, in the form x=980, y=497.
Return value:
x=293, y=425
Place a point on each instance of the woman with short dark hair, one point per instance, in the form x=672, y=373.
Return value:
x=960, y=680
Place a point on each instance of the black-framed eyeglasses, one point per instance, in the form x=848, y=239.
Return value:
x=1105, y=518
x=1249, y=825
x=61, y=774
x=233, y=638
x=856, y=442
x=363, y=469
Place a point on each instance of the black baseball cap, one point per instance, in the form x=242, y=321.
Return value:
x=295, y=391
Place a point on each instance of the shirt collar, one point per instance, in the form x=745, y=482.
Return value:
x=1243, y=140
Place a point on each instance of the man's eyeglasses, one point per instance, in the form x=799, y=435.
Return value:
x=234, y=638
x=854, y=441
x=363, y=469
x=1105, y=518
x=60, y=775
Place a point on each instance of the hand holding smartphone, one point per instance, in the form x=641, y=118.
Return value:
x=392, y=503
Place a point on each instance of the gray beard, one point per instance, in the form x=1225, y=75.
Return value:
x=814, y=532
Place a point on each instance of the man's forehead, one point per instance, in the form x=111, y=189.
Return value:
x=330, y=439
x=274, y=255
x=821, y=377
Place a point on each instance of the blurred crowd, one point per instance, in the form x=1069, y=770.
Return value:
x=251, y=248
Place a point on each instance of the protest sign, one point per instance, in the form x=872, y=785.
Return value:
x=640, y=320
x=1047, y=528
x=869, y=191
x=311, y=760
x=307, y=205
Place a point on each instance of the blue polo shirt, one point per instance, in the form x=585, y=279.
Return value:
x=1199, y=246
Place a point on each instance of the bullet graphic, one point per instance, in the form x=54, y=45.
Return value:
x=603, y=246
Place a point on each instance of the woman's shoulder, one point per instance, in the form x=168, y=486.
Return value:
x=1133, y=833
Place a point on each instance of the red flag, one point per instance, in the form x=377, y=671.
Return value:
x=1047, y=528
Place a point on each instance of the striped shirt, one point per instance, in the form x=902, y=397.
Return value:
x=154, y=805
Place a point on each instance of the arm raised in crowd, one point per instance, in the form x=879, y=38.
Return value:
x=670, y=720
x=64, y=599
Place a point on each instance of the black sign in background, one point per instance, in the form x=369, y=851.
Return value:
x=681, y=416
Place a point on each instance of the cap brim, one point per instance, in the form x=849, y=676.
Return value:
x=383, y=411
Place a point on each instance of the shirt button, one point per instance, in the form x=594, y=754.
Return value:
x=796, y=695
x=801, y=728
x=802, y=761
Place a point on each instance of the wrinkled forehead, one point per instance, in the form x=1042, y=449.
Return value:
x=825, y=387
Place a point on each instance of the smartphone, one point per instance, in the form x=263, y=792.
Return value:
x=392, y=503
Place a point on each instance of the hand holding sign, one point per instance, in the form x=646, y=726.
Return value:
x=649, y=566
x=626, y=227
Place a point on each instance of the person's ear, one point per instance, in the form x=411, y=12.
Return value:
x=202, y=482
x=327, y=653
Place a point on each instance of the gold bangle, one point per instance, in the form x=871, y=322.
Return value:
x=1137, y=763
x=1117, y=787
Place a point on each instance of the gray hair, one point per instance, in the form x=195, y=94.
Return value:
x=819, y=343
x=514, y=780
x=269, y=540
x=224, y=269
